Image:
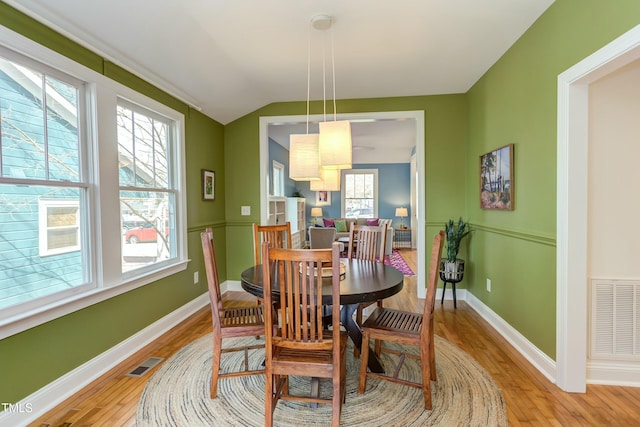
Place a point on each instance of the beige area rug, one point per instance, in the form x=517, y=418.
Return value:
x=178, y=394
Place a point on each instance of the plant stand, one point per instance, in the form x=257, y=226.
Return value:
x=451, y=272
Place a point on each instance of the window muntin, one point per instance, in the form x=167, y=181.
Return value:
x=359, y=193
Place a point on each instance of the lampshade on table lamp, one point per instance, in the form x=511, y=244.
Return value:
x=402, y=213
x=316, y=212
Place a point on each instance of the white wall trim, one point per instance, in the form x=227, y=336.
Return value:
x=38, y=403
x=572, y=194
x=625, y=374
x=537, y=358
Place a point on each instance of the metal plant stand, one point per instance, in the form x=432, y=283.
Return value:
x=451, y=272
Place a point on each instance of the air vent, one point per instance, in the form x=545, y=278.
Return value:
x=145, y=366
x=615, y=319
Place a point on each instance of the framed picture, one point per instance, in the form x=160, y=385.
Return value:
x=208, y=185
x=323, y=198
x=496, y=179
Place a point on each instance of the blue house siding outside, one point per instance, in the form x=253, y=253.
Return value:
x=24, y=272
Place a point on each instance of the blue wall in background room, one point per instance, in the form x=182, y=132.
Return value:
x=394, y=187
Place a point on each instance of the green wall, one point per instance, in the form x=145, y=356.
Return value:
x=515, y=102
x=445, y=139
x=33, y=358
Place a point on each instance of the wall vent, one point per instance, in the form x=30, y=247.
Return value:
x=144, y=367
x=615, y=320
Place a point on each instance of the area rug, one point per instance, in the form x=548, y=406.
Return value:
x=397, y=261
x=178, y=394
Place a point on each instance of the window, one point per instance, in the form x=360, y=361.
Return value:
x=60, y=189
x=359, y=189
x=278, y=179
x=146, y=194
x=59, y=226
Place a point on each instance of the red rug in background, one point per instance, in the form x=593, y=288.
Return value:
x=397, y=261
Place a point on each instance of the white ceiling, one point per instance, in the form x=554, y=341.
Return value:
x=228, y=58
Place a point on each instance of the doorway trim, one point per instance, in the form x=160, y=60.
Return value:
x=417, y=115
x=572, y=197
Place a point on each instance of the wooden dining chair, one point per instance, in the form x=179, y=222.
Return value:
x=366, y=242
x=406, y=328
x=228, y=322
x=278, y=236
x=302, y=346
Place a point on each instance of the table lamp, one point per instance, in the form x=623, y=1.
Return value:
x=316, y=212
x=401, y=212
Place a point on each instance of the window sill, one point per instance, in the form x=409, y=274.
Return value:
x=29, y=319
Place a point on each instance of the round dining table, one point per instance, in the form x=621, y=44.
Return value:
x=363, y=281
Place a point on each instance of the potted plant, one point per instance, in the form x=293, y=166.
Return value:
x=452, y=268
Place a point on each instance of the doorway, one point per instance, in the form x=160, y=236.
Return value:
x=416, y=117
x=572, y=206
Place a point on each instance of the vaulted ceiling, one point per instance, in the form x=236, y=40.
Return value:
x=231, y=57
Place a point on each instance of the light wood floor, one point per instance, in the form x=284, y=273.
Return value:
x=530, y=398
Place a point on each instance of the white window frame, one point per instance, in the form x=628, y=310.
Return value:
x=106, y=279
x=43, y=215
x=278, y=184
x=343, y=193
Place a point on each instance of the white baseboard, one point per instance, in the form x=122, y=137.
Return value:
x=619, y=373
x=537, y=358
x=38, y=403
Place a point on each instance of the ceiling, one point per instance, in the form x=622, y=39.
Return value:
x=228, y=58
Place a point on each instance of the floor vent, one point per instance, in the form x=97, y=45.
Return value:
x=615, y=319
x=142, y=368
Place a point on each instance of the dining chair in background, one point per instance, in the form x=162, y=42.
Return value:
x=406, y=328
x=321, y=237
x=366, y=242
x=228, y=322
x=278, y=236
x=302, y=346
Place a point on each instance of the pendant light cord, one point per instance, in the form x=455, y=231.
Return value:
x=308, y=74
x=333, y=66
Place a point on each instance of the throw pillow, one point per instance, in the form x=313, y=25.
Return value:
x=341, y=225
x=373, y=222
x=328, y=223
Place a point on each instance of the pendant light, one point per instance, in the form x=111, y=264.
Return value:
x=335, y=144
x=304, y=154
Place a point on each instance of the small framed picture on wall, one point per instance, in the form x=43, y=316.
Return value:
x=323, y=198
x=496, y=179
x=208, y=185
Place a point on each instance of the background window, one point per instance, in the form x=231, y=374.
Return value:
x=59, y=223
x=278, y=179
x=359, y=193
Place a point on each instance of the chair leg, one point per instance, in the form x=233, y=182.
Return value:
x=268, y=400
x=336, y=401
x=364, y=359
x=215, y=367
x=356, y=350
x=432, y=356
x=425, y=365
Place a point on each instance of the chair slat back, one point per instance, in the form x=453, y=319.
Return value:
x=213, y=282
x=278, y=236
x=297, y=276
x=432, y=284
x=367, y=241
